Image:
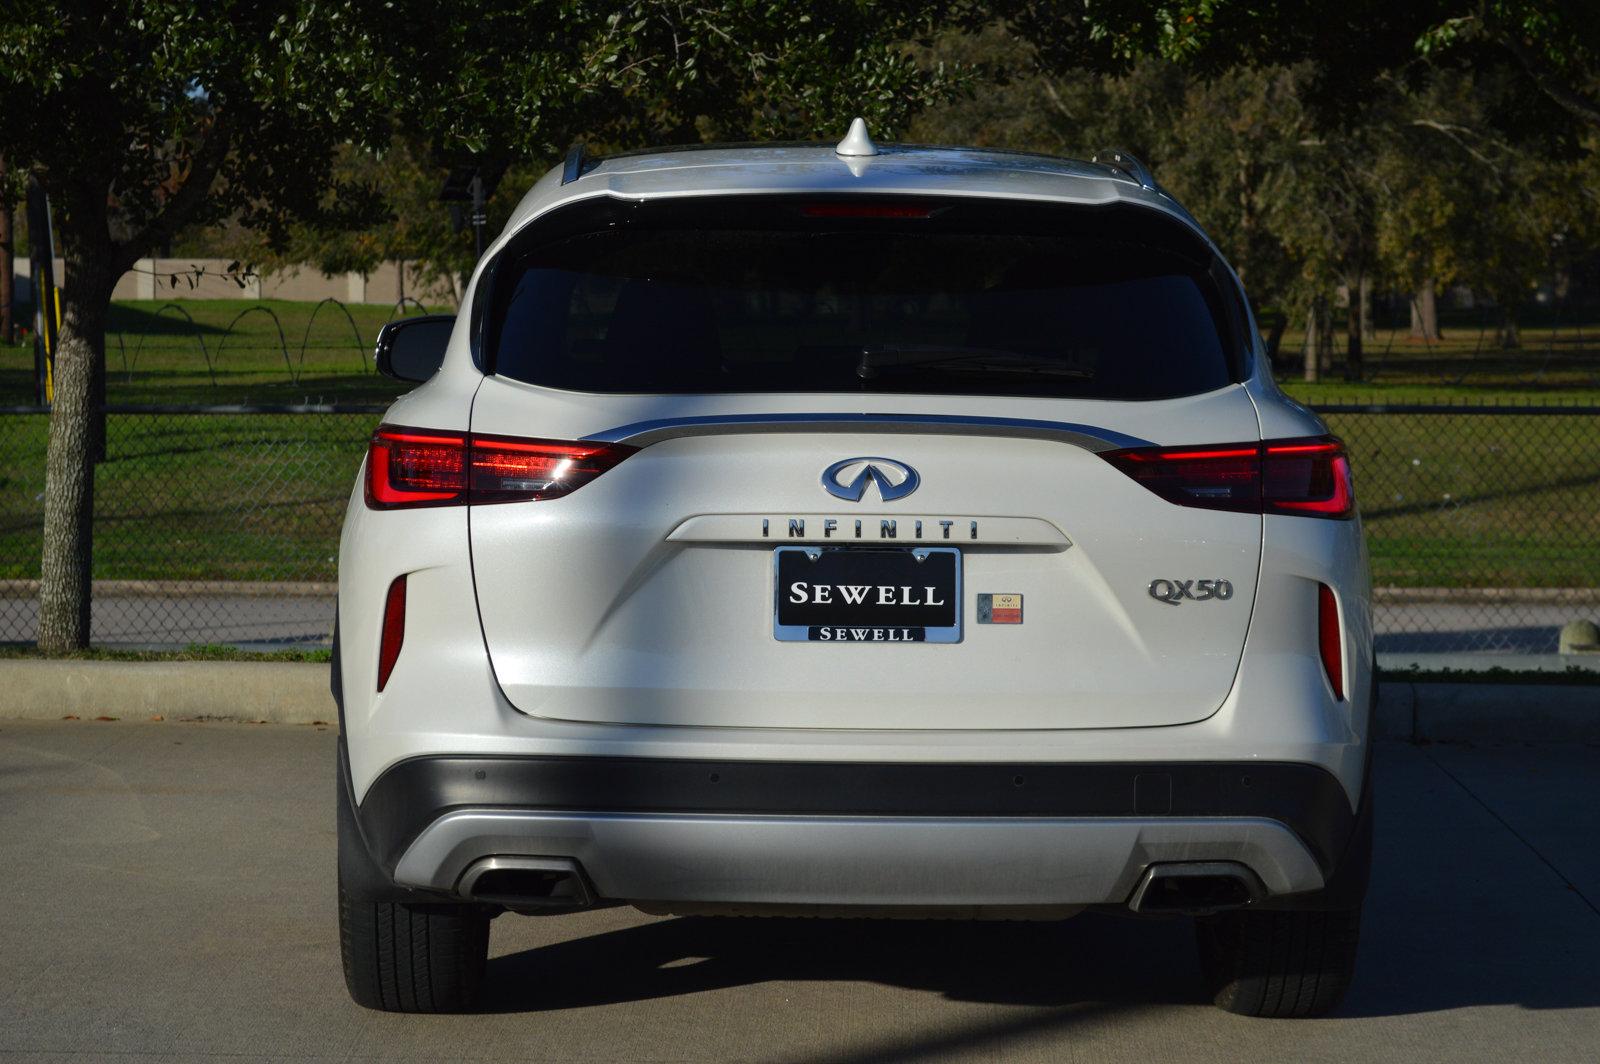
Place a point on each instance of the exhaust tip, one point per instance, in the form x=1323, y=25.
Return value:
x=1195, y=887
x=527, y=883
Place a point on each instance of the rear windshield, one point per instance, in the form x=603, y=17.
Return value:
x=837, y=298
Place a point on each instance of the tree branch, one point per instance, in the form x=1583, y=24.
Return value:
x=1573, y=102
x=180, y=206
x=1454, y=133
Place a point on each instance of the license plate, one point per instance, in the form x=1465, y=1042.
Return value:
x=849, y=595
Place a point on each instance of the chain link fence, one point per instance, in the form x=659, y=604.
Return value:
x=221, y=524
x=212, y=524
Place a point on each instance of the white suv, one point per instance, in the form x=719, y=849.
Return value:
x=841, y=530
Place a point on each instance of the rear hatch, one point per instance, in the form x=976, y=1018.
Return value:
x=861, y=480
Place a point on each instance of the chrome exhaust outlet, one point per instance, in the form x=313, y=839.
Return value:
x=527, y=883
x=1195, y=887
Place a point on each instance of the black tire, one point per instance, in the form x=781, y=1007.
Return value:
x=403, y=957
x=1281, y=964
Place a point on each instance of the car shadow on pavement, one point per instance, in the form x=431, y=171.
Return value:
x=1412, y=960
x=1093, y=958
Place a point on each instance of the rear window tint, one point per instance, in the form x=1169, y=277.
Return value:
x=861, y=304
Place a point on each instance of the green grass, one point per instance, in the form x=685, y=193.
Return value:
x=1449, y=500
x=195, y=496
x=1559, y=360
x=192, y=652
x=232, y=351
x=1571, y=676
x=1481, y=500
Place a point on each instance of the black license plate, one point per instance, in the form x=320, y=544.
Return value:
x=844, y=595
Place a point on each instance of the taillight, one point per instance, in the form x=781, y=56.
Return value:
x=413, y=467
x=1308, y=477
x=506, y=469
x=416, y=467
x=394, y=629
x=1329, y=642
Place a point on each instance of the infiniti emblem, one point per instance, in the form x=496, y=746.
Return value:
x=895, y=480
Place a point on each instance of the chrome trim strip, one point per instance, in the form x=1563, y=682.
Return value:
x=1089, y=437
x=857, y=860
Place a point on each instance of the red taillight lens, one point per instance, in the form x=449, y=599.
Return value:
x=415, y=467
x=1224, y=477
x=1308, y=477
x=504, y=469
x=394, y=629
x=1329, y=642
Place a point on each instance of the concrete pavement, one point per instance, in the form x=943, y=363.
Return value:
x=168, y=894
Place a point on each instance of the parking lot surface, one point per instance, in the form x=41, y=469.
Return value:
x=168, y=894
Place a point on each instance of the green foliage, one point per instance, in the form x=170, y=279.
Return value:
x=1554, y=44
x=143, y=115
x=524, y=79
x=1423, y=173
x=513, y=84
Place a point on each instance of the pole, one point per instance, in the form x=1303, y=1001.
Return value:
x=8, y=287
x=46, y=304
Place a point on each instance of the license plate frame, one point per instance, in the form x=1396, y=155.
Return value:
x=878, y=632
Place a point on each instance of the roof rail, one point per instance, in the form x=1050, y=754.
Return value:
x=577, y=159
x=1125, y=163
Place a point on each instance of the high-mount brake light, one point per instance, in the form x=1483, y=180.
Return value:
x=1306, y=477
x=866, y=210
x=416, y=467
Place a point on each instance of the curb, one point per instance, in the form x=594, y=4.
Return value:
x=1488, y=713
x=274, y=692
x=281, y=692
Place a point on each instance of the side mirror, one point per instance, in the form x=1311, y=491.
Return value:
x=411, y=349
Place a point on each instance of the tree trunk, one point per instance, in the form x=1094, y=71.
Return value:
x=1425, y=312
x=8, y=287
x=1508, y=335
x=97, y=403
x=1355, y=329
x=64, y=588
x=1369, y=327
x=1317, y=339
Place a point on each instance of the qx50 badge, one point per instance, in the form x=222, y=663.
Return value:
x=1172, y=592
x=848, y=479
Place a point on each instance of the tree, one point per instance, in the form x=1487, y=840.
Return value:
x=1554, y=44
x=138, y=118
x=143, y=116
x=543, y=75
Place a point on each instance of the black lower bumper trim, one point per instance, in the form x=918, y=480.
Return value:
x=411, y=795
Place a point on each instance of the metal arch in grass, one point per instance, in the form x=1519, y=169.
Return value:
x=283, y=345
x=400, y=304
x=361, y=345
x=194, y=331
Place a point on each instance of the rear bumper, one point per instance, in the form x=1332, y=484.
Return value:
x=797, y=833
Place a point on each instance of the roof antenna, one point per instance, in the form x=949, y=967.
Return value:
x=857, y=141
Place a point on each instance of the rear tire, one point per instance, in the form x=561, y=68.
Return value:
x=403, y=957
x=1280, y=964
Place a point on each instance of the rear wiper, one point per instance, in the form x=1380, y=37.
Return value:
x=988, y=359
